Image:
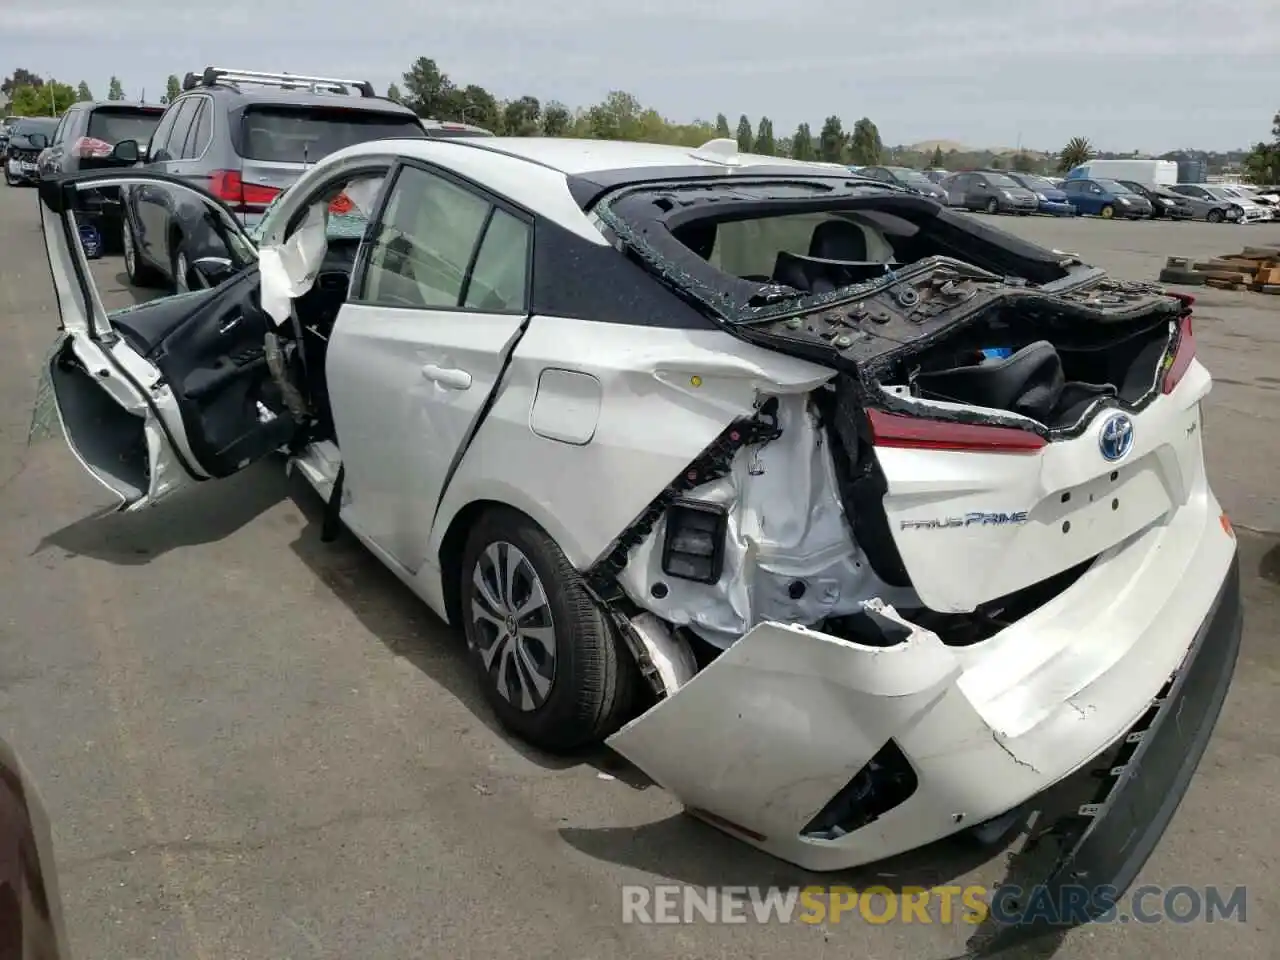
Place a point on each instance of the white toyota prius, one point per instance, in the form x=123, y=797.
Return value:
x=852, y=521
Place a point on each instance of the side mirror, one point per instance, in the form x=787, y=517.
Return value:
x=126, y=151
x=38, y=140
x=213, y=270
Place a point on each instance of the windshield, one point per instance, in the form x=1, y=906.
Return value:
x=911, y=177
x=1114, y=186
x=1037, y=183
x=1002, y=181
x=113, y=125
x=305, y=134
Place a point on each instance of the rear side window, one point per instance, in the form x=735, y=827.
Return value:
x=499, y=280
x=285, y=134
x=113, y=124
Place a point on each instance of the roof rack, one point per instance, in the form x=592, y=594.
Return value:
x=212, y=76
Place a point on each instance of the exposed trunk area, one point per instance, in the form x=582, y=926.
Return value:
x=1036, y=363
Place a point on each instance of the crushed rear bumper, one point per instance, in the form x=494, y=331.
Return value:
x=1139, y=801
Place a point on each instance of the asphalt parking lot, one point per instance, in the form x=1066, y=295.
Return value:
x=253, y=744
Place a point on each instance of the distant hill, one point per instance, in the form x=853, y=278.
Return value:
x=946, y=146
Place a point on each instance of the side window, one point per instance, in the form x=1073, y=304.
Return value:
x=161, y=133
x=499, y=279
x=198, y=138
x=181, y=126
x=423, y=245
x=60, y=131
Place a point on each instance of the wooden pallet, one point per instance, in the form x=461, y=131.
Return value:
x=1253, y=268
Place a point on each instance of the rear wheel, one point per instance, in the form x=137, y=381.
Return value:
x=139, y=273
x=993, y=205
x=1214, y=216
x=181, y=270
x=548, y=659
x=1108, y=212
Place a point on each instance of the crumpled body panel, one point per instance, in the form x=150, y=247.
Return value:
x=786, y=526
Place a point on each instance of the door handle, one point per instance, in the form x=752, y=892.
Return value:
x=447, y=376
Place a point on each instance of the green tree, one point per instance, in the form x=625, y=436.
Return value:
x=936, y=161
x=722, y=127
x=83, y=93
x=394, y=95
x=1077, y=151
x=47, y=100
x=522, y=118
x=472, y=104
x=428, y=90
x=997, y=162
x=556, y=120
x=114, y=90
x=616, y=118
x=865, y=146
x=1023, y=163
x=21, y=77
x=764, y=138
x=744, y=136
x=832, y=141
x=802, y=143
x=1262, y=163
x=172, y=88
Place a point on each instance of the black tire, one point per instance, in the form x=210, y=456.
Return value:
x=993, y=205
x=179, y=268
x=593, y=675
x=8, y=180
x=139, y=273
x=1214, y=216
x=1187, y=278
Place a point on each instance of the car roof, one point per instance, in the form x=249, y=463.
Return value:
x=560, y=177
x=574, y=157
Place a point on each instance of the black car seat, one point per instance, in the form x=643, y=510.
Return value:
x=838, y=240
x=1029, y=382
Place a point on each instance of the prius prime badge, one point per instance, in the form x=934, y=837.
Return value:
x=1116, y=438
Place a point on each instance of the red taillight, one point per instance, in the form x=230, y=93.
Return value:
x=915, y=433
x=1182, y=355
x=229, y=187
x=91, y=147
x=341, y=204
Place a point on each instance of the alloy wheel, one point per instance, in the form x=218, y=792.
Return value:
x=512, y=626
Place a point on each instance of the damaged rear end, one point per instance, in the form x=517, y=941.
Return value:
x=963, y=568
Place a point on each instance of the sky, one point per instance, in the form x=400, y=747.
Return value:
x=1150, y=75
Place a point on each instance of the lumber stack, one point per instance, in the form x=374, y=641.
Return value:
x=1253, y=268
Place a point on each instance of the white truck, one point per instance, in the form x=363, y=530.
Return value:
x=1149, y=173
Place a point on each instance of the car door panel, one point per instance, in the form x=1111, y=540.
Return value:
x=406, y=388
x=150, y=416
